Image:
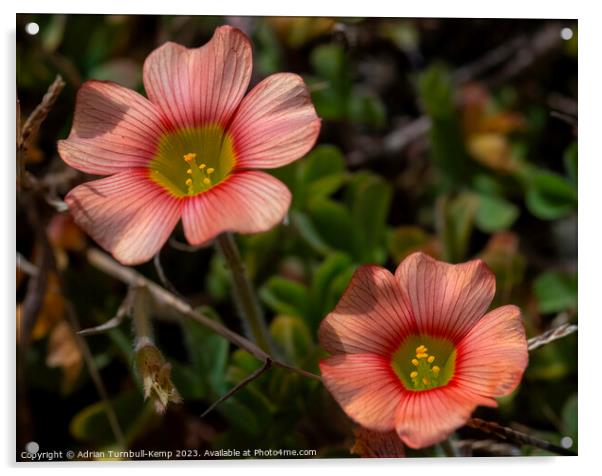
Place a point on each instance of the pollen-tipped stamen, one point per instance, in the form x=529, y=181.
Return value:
x=200, y=173
x=425, y=376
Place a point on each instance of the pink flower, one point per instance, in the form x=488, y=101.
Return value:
x=189, y=151
x=415, y=352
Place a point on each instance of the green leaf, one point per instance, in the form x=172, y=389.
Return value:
x=330, y=63
x=495, y=214
x=570, y=419
x=92, y=425
x=187, y=380
x=556, y=291
x=333, y=223
x=323, y=171
x=292, y=335
x=404, y=240
x=322, y=280
x=284, y=296
x=207, y=350
x=308, y=231
x=367, y=109
x=456, y=218
x=447, y=143
x=369, y=198
x=550, y=196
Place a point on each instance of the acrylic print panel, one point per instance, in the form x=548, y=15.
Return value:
x=295, y=238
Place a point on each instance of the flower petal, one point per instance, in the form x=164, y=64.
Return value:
x=370, y=316
x=200, y=86
x=275, y=124
x=246, y=202
x=492, y=357
x=446, y=299
x=127, y=214
x=365, y=386
x=114, y=128
x=427, y=417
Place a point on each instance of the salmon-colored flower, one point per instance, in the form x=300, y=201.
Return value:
x=189, y=151
x=416, y=351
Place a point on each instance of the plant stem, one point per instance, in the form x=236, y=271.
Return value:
x=248, y=306
x=140, y=317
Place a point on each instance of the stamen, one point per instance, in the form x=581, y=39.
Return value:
x=425, y=376
x=189, y=157
x=199, y=174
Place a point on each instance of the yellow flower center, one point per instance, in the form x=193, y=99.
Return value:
x=192, y=160
x=424, y=362
x=425, y=376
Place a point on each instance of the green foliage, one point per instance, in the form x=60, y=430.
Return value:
x=556, y=292
x=495, y=214
x=334, y=94
x=550, y=196
x=456, y=220
x=447, y=147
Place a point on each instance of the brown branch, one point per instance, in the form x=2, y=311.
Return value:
x=494, y=447
x=32, y=124
x=96, y=378
x=551, y=335
x=124, y=309
x=162, y=296
x=515, y=436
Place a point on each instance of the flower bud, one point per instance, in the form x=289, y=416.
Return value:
x=155, y=373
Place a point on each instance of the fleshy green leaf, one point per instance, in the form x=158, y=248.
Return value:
x=550, y=196
x=495, y=214
x=207, y=350
x=292, y=335
x=284, y=296
x=556, y=291
x=369, y=198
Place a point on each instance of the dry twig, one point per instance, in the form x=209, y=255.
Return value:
x=551, y=335
x=515, y=436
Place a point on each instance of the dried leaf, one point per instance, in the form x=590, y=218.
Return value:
x=64, y=352
x=374, y=444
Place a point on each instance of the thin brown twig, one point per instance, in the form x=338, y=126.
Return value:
x=550, y=336
x=96, y=378
x=163, y=277
x=32, y=124
x=124, y=309
x=515, y=436
x=47, y=265
x=162, y=296
x=239, y=386
x=494, y=447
